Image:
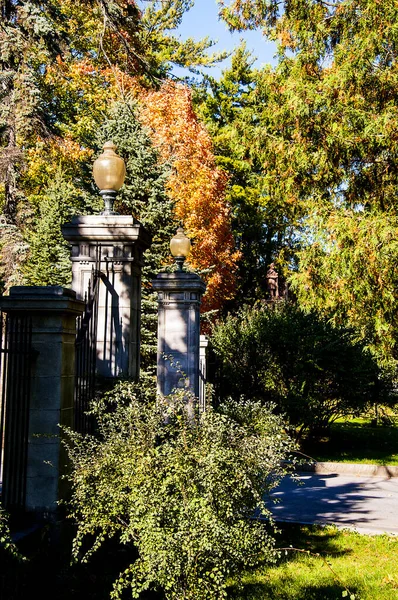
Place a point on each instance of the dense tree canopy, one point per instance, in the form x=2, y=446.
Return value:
x=329, y=135
x=234, y=113
x=76, y=80
x=296, y=164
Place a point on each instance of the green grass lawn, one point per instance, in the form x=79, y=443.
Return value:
x=338, y=561
x=356, y=441
x=365, y=566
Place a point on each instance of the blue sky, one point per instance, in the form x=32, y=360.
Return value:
x=203, y=20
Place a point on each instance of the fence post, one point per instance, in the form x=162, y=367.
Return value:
x=179, y=296
x=52, y=311
x=116, y=243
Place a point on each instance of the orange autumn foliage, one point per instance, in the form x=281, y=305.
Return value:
x=197, y=187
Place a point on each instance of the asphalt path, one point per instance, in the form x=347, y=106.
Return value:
x=367, y=504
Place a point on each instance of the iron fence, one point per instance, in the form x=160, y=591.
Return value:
x=15, y=375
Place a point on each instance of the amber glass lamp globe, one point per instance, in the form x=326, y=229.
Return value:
x=180, y=245
x=109, y=169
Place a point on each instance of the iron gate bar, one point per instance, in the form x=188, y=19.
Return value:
x=3, y=366
x=13, y=409
x=11, y=422
x=11, y=429
x=111, y=313
x=112, y=349
x=86, y=351
x=26, y=402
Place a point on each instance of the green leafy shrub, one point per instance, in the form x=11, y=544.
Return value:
x=6, y=541
x=184, y=491
x=312, y=371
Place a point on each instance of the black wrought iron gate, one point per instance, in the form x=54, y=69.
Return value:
x=15, y=375
x=86, y=353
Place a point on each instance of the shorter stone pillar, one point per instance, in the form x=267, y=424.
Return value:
x=179, y=296
x=53, y=311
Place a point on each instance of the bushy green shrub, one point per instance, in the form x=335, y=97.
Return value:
x=6, y=541
x=184, y=491
x=312, y=371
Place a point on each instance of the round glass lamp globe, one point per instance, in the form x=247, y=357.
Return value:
x=109, y=169
x=180, y=244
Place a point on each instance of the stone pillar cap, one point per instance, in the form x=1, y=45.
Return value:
x=34, y=291
x=45, y=298
x=179, y=280
x=106, y=229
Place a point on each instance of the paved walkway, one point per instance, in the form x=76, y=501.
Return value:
x=368, y=504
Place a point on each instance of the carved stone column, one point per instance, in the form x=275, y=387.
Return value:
x=179, y=296
x=114, y=244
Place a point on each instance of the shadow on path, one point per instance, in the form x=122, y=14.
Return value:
x=363, y=503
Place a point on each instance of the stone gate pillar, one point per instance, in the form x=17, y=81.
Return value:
x=179, y=296
x=32, y=482
x=115, y=244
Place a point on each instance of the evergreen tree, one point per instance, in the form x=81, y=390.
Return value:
x=48, y=260
x=143, y=195
x=234, y=116
x=329, y=146
x=12, y=247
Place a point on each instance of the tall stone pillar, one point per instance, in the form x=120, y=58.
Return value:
x=114, y=244
x=179, y=296
x=52, y=313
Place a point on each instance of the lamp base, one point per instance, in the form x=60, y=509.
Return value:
x=109, y=197
x=179, y=260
